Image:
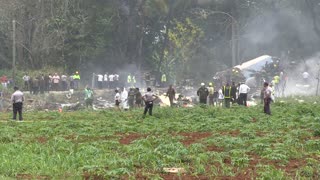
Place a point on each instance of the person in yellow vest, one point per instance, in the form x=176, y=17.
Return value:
x=134, y=82
x=163, y=80
x=276, y=82
x=129, y=80
x=211, y=94
x=226, y=90
x=76, y=80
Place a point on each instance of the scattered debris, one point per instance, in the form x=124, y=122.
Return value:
x=174, y=170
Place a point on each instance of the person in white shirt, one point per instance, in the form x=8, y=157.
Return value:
x=17, y=99
x=56, y=80
x=105, y=80
x=220, y=97
x=149, y=98
x=243, y=93
x=100, y=81
x=111, y=80
x=305, y=76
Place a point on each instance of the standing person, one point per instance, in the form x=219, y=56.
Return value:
x=50, y=82
x=220, y=98
x=71, y=80
x=129, y=80
x=124, y=99
x=47, y=83
x=105, y=80
x=163, y=80
x=55, y=81
x=100, y=81
x=211, y=94
x=88, y=97
x=111, y=81
x=42, y=84
x=35, y=85
x=203, y=94
x=267, y=91
x=117, y=99
x=64, y=82
x=149, y=98
x=26, y=78
x=138, y=98
x=243, y=91
x=17, y=99
x=131, y=95
x=227, y=95
x=215, y=96
x=76, y=80
x=171, y=93
x=116, y=80
x=234, y=92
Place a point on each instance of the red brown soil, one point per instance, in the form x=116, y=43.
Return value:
x=184, y=177
x=42, y=140
x=233, y=133
x=82, y=139
x=192, y=137
x=127, y=139
x=293, y=165
x=88, y=176
x=215, y=148
x=260, y=133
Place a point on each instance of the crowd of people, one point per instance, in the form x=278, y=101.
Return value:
x=51, y=82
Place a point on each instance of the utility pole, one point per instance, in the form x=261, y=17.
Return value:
x=14, y=52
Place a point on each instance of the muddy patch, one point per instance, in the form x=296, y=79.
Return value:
x=193, y=137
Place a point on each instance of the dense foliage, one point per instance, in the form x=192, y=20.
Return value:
x=181, y=37
x=207, y=142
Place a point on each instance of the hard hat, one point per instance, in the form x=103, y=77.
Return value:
x=202, y=84
x=210, y=84
x=77, y=72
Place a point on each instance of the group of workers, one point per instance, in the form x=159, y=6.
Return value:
x=232, y=94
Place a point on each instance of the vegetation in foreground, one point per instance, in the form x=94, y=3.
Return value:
x=207, y=142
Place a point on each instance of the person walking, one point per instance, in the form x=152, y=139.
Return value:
x=171, y=94
x=243, y=91
x=267, y=91
x=203, y=94
x=88, y=97
x=149, y=98
x=227, y=95
x=17, y=100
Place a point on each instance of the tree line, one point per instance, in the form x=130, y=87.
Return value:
x=182, y=38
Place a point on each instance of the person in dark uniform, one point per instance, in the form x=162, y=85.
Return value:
x=234, y=92
x=171, y=93
x=203, y=94
x=138, y=97
x=227, y=95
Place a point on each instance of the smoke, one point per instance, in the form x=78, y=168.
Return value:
x=273, y=32
x=296, y=85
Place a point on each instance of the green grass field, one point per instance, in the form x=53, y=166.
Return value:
x=208, y=142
